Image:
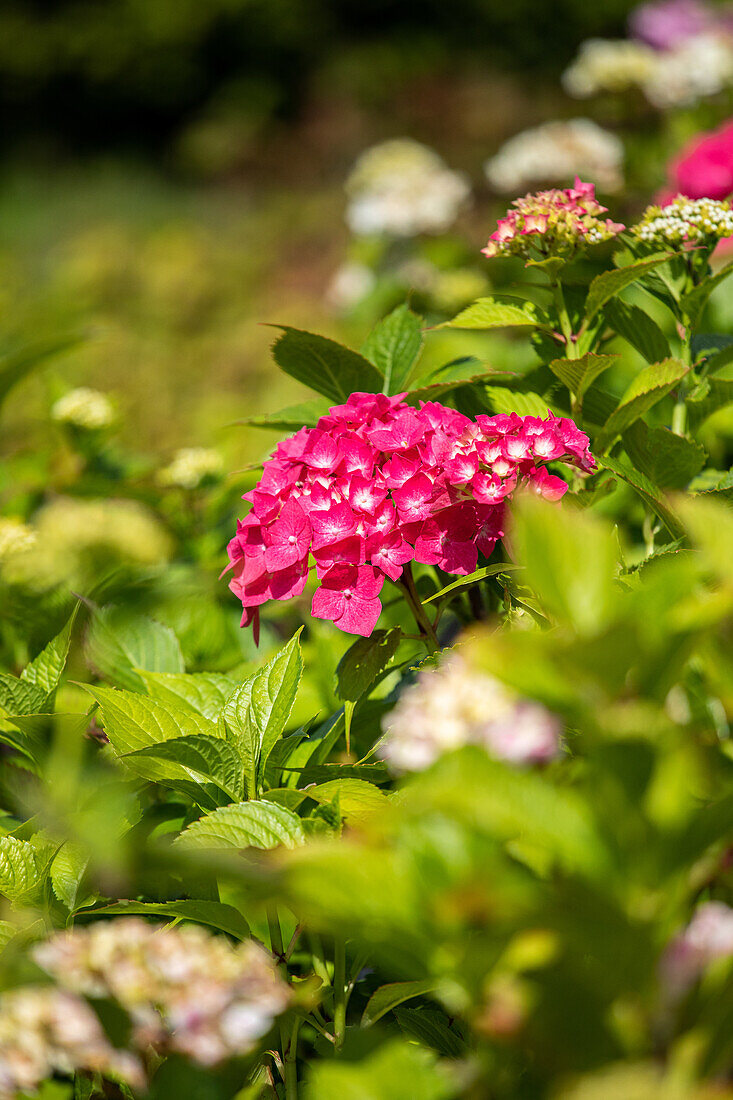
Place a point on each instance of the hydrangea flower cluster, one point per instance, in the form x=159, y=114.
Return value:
x=665, y=24
x=708, y=937
x=552, y=223
x=555, y=153
x=608, y=65
x=704, y=168
x=684, y=221
x=84, y=408
x=451, y=706
x=192, y=467
x=401, y=189
x=183, y=988
x=378, y=484
x=44, y=1031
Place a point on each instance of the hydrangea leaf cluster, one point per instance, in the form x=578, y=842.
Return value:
x=685, y=222
x=378, y=484
x=557, y=223
x=183, y=988
x=453, y=705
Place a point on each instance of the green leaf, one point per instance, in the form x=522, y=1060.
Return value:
x=22, y=868
x=134, y=722
x=650, y=386
x=17, y=363
x=396, y=1070
x=245, y=825
x=305, y=415
x=118, y=644
x=258, y=710
x=19, y=697
x=610, y=283
x=710, y=523
x=670, y=460
x=505, y=312
x=213, y=914
x=459, y=376
x=325, y=366
x=363, y=661
x=693, y=304
x=204, y=692
x=473, y=578
x=67, y=871
x=357, y=800
x=393, y=346
x=712, y=483
x=45, y=670
x=569, y=559
x=648, y=491
x=387, y=997
x=638, y=329
x=579, y=374
x=204, y=758
x=433, y=1029
x=503, y=400
x=711, y=395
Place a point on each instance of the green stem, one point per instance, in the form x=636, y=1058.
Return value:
x=429, y=637
x=288, y=1039
x=679, y=413
x=339, y=993
x=566, y=328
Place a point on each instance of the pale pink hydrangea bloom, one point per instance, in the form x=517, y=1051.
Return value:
x=454, y=705
x=708, y=937
x=183, y=988
x=377, y=484
x=552, y=223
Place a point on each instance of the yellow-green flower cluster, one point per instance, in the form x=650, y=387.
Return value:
x=16, y=538
x=192, y=467
x=685, y=222
x=84, y=408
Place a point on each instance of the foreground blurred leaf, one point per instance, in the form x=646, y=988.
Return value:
x=17, y=363
x=396, y=1071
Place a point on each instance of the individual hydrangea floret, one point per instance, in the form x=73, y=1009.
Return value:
x=183, y=988
x=707, y=938
x=84, y=408
x=685, y=222
x=378, y=484
x=44, y=1031
x=192, y=467
x=452, y=705
x=552, y=223
x=401, y=189
x=555, y=153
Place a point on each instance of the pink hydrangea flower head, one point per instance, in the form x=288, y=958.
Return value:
x=378, y=484
x=704, y=168
x=552, y=223
x=664, y=24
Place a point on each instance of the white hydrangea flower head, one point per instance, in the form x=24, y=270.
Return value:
x=183, y=987
x=608, y=65
x=452, y=705
x=555, y=153
x=84, y=408
x=44, y=1030
x=685, y=221
x=402, y=189
x=16, y=538
x=699, y=67
x=190, y=467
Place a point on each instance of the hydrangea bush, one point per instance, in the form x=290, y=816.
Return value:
x=462, y=826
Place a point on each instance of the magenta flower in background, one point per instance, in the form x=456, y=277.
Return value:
x=704, y=168
x=378, y=484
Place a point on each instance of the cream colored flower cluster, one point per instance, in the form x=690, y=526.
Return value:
x=685, y=221
x=401, y=189
x=184, y=989
x=16, y=538
x=699, y=66
x=191, y=467
x=451, y=706
x=556, y=152
x=84, y=408
x=44, y=1030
